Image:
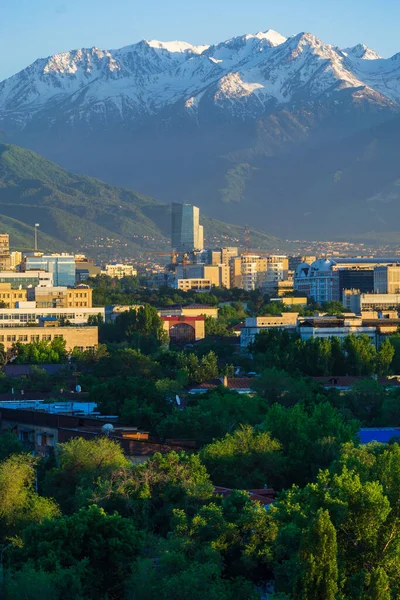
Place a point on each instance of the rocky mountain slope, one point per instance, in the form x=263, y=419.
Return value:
x=214, y=125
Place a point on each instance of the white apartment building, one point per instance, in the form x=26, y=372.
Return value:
x=15, y=317
x=255, y=325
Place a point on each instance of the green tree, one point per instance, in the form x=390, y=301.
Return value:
x=81, y=463
x=106, y=544
x=379, y=587
x=244, y=459
x=319, y=579
x=385, y=357
x=20, y=504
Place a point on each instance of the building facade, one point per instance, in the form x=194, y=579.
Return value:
x=187, y=233
x=82, y=338
x=61, y=266
x=10, y=317
x=386, y=280
x=63, y=297
x=5, y=258
x=119, y=270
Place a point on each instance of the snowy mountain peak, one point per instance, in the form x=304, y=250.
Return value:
x=362, y=51
x=176, y=46
x=274, y=37
x=244, y=77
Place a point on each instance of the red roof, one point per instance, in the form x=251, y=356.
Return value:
x=234, y=383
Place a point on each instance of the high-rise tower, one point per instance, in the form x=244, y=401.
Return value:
x=187, y=233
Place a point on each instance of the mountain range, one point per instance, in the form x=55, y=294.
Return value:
x=78, y=213
x=291, y=135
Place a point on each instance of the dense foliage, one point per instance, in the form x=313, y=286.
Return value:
x=89, y=524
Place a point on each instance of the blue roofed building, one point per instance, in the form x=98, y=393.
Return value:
x=383, y=435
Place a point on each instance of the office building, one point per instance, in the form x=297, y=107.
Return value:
x=357, y=278
x=386, y=279
x=187, y=233
x=85, y=268
x=5, y=258
x=61, y=266
x=29, y=280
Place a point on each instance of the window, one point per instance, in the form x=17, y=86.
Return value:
x=11, y=338
x=35, y=338
x=22, y=338
x=46, y=338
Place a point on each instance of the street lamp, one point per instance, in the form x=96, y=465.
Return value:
x=36, y=226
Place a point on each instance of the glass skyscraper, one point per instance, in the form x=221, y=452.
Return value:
x=187, y=233
x=62, y=267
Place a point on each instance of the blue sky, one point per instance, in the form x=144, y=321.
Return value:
x=30, y=29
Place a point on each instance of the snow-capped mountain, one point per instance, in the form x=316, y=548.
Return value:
x=247, y=125
x=245, y=76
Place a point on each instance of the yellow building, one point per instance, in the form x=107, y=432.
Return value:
x=63, y=297
x=184, y=329
x=291, y=301
x=83, y=338
x=186, y=285
x=10, y=297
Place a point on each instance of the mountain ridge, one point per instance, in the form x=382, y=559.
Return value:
x=212, y=125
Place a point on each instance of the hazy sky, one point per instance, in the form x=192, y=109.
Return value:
x=30, y=29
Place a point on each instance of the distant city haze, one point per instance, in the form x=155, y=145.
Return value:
x=32, y=29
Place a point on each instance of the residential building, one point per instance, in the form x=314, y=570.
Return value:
x=255, y=325
x=14, y=317
x=183, y=329
x=227, y=253
x=119, y=270
x=15, y=259
x=187, y=233
x=83, y=338
x=5, y=258
x=248, y=271
x=386, y=279
x=61, y=266
x=218, y=275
